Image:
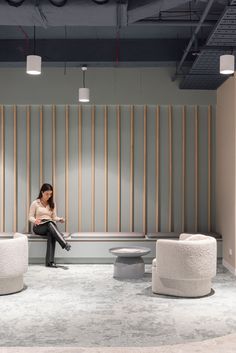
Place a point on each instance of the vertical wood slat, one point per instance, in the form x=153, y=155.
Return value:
x=118, y=170
x=209, y=169
x=145, y=170
x=196, y=167
x=54, y=148
x=2, y=168
x=106, y=170
x=41, y=146
x=93, y=169
x=132, y=169
x=183, y=166
x=15, y=166
x=157, y=165
x=80, y=167
x=28, y=177
x=66, y=167
x=170, y=168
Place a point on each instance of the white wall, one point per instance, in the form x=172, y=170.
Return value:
x=108, y=86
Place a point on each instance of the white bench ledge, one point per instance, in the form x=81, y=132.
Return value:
x=107, y=235
x=172, y=235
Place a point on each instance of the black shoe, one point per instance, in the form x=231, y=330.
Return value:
x=51, y=264
x=67, y=246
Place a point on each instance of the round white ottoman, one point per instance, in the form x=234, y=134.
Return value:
x=13, y=262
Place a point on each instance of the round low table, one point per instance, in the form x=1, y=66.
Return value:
x=129, y=262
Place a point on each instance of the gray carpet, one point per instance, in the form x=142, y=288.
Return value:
x=85, y=307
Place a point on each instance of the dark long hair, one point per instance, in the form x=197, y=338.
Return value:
x=47, y=187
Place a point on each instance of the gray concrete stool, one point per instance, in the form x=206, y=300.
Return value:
x=129, y=262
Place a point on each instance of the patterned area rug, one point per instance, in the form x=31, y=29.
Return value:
x=84, y=306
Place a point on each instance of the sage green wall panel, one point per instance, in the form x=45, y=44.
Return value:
x=99, y=169
x=60, y=162
x=125, y=168
x=9, y=169
x=190, y=171
x=112, y=169
x=73, y=194
x=177, y=168
x=164, y=168
x=47, y=144
x=138, y=167
x=203, y=167
x=21, y=169
x=34, y=151
x=151, y=168
x=108, y=85
x=86, y=168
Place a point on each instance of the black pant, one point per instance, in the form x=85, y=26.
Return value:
x=52, y=234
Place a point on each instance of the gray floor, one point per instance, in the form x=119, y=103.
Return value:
x=84, y=306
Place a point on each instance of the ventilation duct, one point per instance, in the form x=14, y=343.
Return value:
x=15, y=3
x=58, y=3
x=100, y=2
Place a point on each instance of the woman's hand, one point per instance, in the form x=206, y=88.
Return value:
x=62, y=220
x=37, y=222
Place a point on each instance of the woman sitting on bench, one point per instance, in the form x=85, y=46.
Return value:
x=43, y=215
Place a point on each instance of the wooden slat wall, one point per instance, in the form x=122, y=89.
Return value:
x=67, y=168
x=80, y=168
x=196, y=167
x=93, y=170
x=28, y=159
x=2, y=224
x=118, y=171
x=144, y=210
x=157, y=166
x=132, y=168
x=183, y=166
x=209, y=170
x=15, y=167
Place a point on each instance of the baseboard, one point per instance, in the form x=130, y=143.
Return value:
x=83, y=260
x=229, y=267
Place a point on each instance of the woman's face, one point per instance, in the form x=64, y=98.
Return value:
x=46, y=195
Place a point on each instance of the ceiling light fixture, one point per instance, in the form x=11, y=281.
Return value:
x=227, y=64
x=58, y=3
x=100, y=2
x=84, y=92
x=33, y=62
x=15, y=3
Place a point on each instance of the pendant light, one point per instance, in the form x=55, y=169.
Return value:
x=84, y=92
x=227, y=64
x=33, y=62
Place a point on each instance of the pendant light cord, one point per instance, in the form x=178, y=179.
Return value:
x=34, y=41
x=84, y=78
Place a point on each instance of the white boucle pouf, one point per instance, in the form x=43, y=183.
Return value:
x=13, y=263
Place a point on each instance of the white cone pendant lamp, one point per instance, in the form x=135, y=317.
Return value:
x=33, y=65
x=227, y=64
x=33, y=62
x=84, y=93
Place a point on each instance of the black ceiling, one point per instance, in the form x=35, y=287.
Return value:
x=190, y=35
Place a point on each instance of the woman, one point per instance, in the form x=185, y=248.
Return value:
x=43, y=215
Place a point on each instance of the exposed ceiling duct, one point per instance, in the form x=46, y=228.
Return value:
x=58, y=3
x=44, y=13
x=15, y=3
x=204, y=73
x=100, y=2
x=128, y=33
